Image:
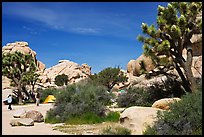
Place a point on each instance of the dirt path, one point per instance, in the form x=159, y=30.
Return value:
x=37, y=129
x=44, y=128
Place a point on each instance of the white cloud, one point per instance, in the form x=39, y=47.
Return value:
x=68, y=19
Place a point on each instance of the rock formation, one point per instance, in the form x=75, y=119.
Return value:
x=74, y=71
x=134, y=67
x=164, y=103
x=137, y=118
x=24, y=48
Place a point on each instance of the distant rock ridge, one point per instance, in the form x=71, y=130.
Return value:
x=74, y=71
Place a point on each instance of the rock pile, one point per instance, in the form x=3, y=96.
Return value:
x=74, y=71
x=26, y=118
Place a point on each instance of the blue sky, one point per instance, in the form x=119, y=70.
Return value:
x=101, y=34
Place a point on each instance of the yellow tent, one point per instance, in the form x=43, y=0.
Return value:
x=50, y=99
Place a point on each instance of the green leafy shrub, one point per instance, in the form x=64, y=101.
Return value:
x=146, y=97
x=134, y=97
x=109, y=77
x=60, y=80
x=115, y=131
x=185, y=117
x=78, y=101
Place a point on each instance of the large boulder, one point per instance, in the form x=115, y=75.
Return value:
x=24, y=48
x=18, y=46
x=36, y=116
x=164, y=103
x=22, y=122
x=73, y=70
x=19, y=113
x=137, y=118
x=133, y=66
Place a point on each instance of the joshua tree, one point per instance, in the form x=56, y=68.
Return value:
x=20, y=68
x=176, y=24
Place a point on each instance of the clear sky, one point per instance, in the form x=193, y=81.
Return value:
x=101, y=34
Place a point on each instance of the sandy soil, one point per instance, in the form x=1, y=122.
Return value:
x=43, y=128
x=38, y=128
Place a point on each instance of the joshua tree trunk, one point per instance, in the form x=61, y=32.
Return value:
x=20, y=97
x=188, y=70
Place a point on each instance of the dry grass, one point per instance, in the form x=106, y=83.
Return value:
x=86, y=129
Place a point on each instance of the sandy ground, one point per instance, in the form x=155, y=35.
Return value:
x=38, y=128
x=43, y=128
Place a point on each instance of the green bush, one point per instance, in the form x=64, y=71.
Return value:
x=116, y=131
x=134, y=97
x=109, y=77
x=60, y=80
x=185, y=117
x=78, y=101
x=146, y=97
x=113, y=117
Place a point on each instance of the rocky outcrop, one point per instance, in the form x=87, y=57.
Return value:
x=164, y=103
x=137, y=118
x=24, y=48
x=134, y=67
x=74, y=71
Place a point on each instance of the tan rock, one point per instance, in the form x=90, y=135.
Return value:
x=41, y=66
x=134, y=67
x=197, y=67
x=85, y=68
x=164, y=103
x=22, y=122
x=74, y=71
x=137, y=118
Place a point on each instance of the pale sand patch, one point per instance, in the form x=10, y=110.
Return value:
x=38, y=128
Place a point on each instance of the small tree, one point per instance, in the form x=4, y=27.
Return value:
x=109, y=77
x=19, y=68
x=176, y=25
x=60, y=80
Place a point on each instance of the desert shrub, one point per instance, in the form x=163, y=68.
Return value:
x=109, y=77
x=184, y=117
x=78, y=101
x=133, y=97
x=60, y=80
x=147, y=96
x=115, y=131
x=169, y=88
x=113, y=117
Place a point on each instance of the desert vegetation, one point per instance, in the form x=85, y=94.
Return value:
x=87, y=101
